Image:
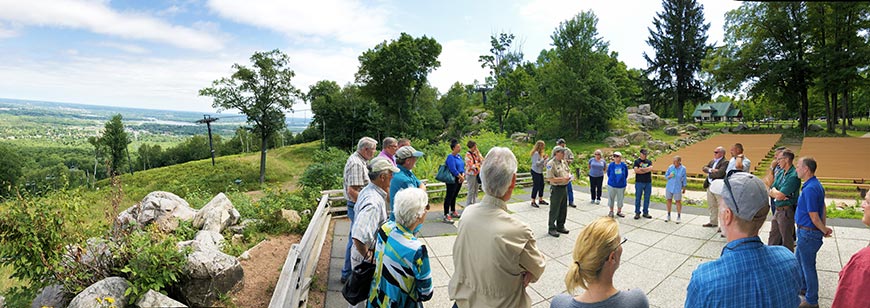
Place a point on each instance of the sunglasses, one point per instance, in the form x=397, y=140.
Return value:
x=731, y=193
x=624, y=239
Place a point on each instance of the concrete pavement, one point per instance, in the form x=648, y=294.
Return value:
x=658, y=257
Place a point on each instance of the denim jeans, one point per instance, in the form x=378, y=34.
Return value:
x=808, y=244
x=644, y=190
x=345, y=271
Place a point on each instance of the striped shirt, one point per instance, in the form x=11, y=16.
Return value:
x=355, y=173
x=371, y=213
x=748, y=274
x=402, y=276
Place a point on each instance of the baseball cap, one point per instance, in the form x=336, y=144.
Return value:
x=644, y=151
x=407, y=152
x=558, y=149
x=617, y=154
x=560, y=141
x=380, y=164
x=745, y=196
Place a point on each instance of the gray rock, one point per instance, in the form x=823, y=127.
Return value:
x=740, y=127
x=617, y=132
x=211, y=273
x=210, y=239
x=658, y=145
x=161, y=207
x=787, y=126
x=638, y=137
x=644, y=109
x=814, y=128
x=691, y=128
x=216, y=215
x=631, y=110
x=92, y=296
x=154, y=299
x=51, y=296
x=237, y=239
x=704, y=132
x=475, y=120
x=671, y=131
x=483, y=115
x=244, y=224
x=616, y=142
x=520, y=137
x=193, y=245
x=724, y=130
x=778, y=126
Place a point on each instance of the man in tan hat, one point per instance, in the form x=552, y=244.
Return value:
x=406, y=159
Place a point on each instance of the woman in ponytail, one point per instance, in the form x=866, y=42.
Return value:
x=597, y=254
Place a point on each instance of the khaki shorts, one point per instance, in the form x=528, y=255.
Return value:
x=678, y=196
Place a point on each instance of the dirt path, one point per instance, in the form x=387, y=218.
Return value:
x=262, y=271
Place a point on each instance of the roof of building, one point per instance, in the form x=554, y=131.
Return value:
x=719, y=110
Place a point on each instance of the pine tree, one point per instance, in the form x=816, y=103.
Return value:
x=680, y=43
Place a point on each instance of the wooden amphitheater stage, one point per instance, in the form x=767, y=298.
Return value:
x=839, y=159
x=696, y=156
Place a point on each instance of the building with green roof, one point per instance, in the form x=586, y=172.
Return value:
x=717, y=112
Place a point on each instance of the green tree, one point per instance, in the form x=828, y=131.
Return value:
x=262, y=93
x=10, y=170
x=342, y=115
x=393, y=74
x=504, y=80
x=115, y=140
x=575, y=88
x=680, y=43
x=766, y=53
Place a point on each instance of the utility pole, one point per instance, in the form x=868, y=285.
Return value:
x=207, y=119
x=483, y=90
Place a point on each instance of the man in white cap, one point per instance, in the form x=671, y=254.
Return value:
x=371, y=211
x=748, y=273
x=406, y=159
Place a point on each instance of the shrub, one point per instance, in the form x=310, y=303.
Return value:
x=152, y=261
x=326, y=171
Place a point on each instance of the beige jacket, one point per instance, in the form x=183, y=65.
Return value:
x=492, y=250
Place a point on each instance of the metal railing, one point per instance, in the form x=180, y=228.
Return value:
x=298, y=270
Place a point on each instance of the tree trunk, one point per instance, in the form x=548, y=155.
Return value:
x=263, y=158
x=827, y=110
x=832, y=121
x=844, y=108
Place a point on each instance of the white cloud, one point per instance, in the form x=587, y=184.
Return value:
x=458, y=63
x=313, y=65
x=349, y=21
x=98, y=17
x=130, y=48
x=7, y=31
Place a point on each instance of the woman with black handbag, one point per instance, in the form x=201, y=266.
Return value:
x=456, y=165
x=402, y=276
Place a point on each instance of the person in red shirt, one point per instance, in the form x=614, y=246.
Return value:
x=855, y=276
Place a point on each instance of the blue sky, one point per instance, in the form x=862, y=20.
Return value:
x=158, y=54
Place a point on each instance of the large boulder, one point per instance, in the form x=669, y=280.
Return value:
x=51, y=296
x=211, y=273
x=658, y=145
x=814, y=128
x=650, y=121
x=644, y=109
x=639, y=137
x=616, y=142
x=163, y=208
x=740, y=127
x=244, y=224
x=703, y=132
x=291, y=216
x=210, y=239
x=631, y=110
x=691, y=127
x=154, y=299
x=671, y=131
x=216, y=215
x=110, y=289
x=520, y=137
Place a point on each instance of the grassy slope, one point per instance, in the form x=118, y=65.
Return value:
x=196, y=181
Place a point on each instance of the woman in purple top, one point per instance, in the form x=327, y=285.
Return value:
x=597, y=168
x=456, y=165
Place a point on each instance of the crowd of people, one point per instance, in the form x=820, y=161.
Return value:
x=387, y=206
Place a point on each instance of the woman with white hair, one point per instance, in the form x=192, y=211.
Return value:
x=402, y=275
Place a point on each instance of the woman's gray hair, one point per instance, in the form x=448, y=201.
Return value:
x=409, y=205
x=366, y=143
x=497, y=172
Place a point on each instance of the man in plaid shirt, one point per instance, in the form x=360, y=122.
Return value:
x=355, y=178
x=748, y=273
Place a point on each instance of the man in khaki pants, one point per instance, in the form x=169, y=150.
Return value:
x=715, y=170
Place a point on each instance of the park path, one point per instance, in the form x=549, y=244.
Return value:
x=659, y=257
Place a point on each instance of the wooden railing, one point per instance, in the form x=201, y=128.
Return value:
x=298, y=270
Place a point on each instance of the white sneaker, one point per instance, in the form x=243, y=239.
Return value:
x=668, y=219
x=679, y=220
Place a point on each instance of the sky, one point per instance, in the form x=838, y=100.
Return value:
x=157, y=54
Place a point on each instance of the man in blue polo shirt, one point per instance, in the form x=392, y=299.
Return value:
x=748, y=273
x=810, y=219
x=406, y=159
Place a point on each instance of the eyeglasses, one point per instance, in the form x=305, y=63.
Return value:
x=624, y=239
x=731, y=193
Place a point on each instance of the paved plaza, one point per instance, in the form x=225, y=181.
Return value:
x=658, y=258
